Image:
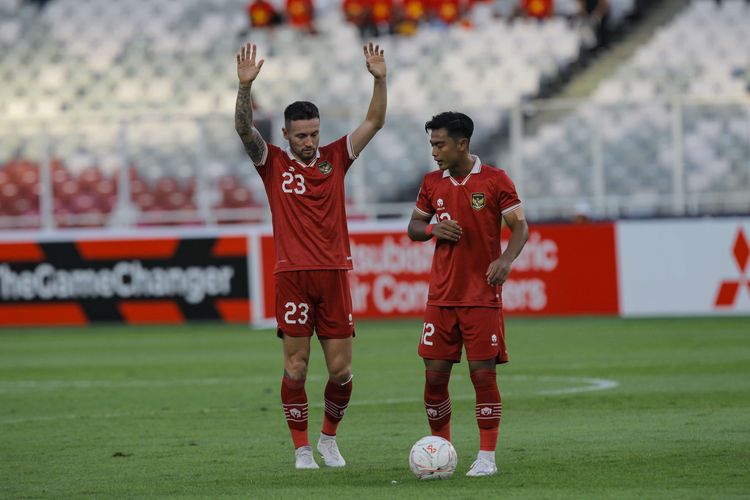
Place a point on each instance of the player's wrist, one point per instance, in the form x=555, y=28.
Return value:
x=246, y=84
x=428, y=230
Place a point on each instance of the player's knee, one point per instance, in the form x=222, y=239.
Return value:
x=340, y=376
x=296, y=369
x=437, y=378
x=483, y=378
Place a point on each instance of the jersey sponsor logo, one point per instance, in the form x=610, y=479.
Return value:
x=477, y=201
x=325, y=167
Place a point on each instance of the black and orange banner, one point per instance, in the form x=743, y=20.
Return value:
x=134, y=281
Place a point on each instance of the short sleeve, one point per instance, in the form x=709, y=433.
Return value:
x=424, y=204
x=272, y=151
x=508, y=197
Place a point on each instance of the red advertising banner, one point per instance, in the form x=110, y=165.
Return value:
x=391, y=275
x=563, y=270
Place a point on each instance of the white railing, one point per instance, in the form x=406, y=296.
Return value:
x=658, y=158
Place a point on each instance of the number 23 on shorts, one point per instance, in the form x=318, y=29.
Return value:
x=296, y=313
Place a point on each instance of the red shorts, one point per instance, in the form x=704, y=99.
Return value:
x=314, y=299
x=447, y=329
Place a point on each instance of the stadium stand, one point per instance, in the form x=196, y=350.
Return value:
x=165, y=71
x=693, y=73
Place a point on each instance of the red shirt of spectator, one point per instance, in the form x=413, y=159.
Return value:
x=381, y=11
x=538, y=8
x=355, y=11
x=447, y=11
x=414, y=10
x=299, y=13
x=261, y=13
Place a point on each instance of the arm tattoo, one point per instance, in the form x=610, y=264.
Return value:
x=254, y=144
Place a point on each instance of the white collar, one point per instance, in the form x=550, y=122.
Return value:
x=474, y=170
x=294, y=158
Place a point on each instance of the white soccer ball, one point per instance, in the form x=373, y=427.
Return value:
x=433, y=457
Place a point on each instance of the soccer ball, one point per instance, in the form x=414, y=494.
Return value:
x=433, y=457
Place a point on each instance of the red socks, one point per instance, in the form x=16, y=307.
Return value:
x=294, y=401
x=437, y=403
x=489, y=408
x=336, y=398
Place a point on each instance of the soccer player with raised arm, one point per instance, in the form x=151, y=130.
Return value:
x=469, y=201
x=305, y=188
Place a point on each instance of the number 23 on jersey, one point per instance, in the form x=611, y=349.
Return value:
x=292, y=183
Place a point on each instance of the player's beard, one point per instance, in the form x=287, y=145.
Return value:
x=306, y=154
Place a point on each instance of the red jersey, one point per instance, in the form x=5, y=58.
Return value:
x=299, y=12
x=308, y=206
x=448, y=11
x=355, y=11
x=477, y=203
x=261, y=13
x=539, y=8
x=414, y=10
x=381, y=11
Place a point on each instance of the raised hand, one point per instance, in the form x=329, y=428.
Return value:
x=247, y=68
x=375, y=60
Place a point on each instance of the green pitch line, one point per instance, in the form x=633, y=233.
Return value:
x=592, y=408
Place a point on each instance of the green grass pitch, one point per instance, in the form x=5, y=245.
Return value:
x=593, y=408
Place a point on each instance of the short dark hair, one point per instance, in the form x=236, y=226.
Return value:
x=300, y=110
x=458, y=125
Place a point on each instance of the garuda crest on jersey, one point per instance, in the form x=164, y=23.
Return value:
x=477, y=201
x=325, y=167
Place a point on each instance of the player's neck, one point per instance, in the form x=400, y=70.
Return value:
x=463, y=168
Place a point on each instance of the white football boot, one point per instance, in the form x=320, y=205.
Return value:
x=303, y=458
x=482, y=467
x=329, y=450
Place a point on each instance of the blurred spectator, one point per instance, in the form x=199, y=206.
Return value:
x=537, y=9
x=300, y=14
x=582, y=212
x=381, y=16
x=262, y=14
x=596, y=14
x=446, y=12
x=409, y=14
x=357, y=12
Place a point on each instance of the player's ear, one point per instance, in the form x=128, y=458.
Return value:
x=463, y=144
x=285, y=132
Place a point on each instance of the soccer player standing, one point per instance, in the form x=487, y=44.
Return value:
x=305, y=188
x=464, y=307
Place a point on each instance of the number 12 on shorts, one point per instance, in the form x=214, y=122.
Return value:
x=428, y=330
x=292, y=310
